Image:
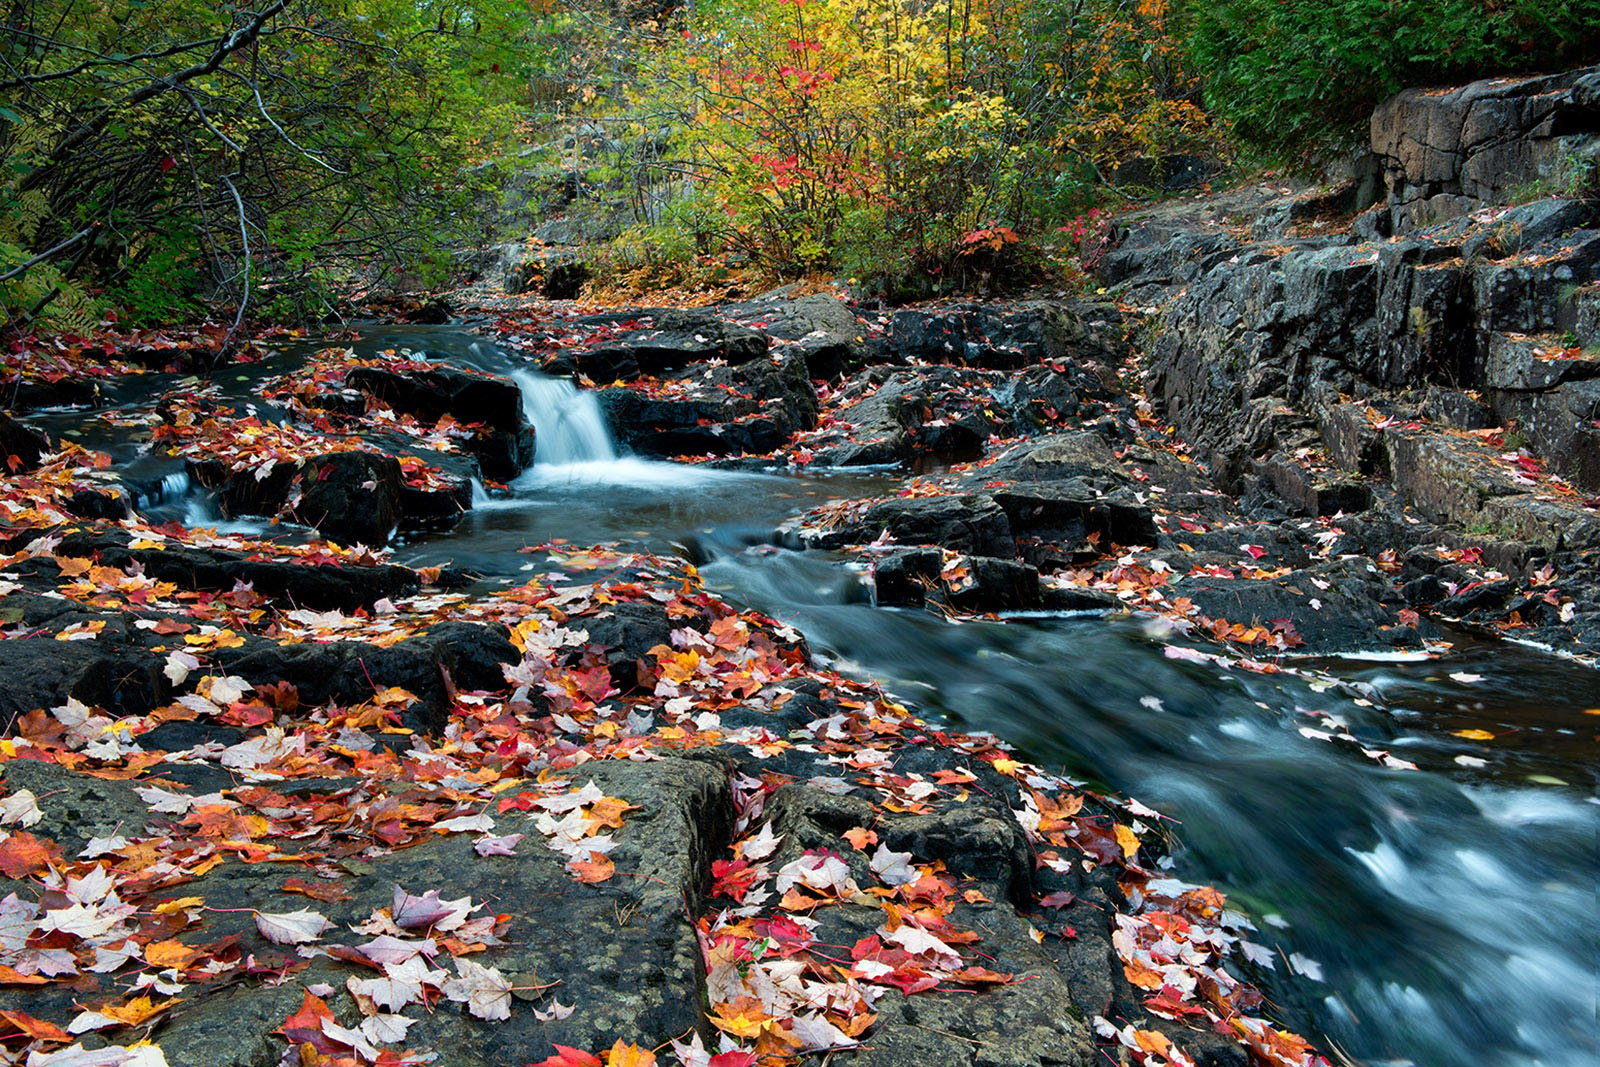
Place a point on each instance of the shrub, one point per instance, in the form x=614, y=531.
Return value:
x=1300, y=77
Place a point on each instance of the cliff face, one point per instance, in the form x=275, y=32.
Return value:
x=1435, y=335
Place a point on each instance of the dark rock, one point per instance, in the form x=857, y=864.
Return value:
x=1343, y=605
x=1058, y=458
x=1424, y=591
x=1003, y=336
x=626, y=633
x=910, y=577
x=1448, y=153
x=508, y=446
x=678, y=339
x=1486, y=596
x=107, y=503
x=642, y=979
x=351, y=497
x=321, y=587
x=453, y=656
x=78, y=806
x=969, y=523
x=820, y=326
x=42, y=672
x=1455, y=408
x=753, y=408
x=21, y=445
x=903, y=578
x=240, y=492
x=1445, y=477
x=1315, y=493
x=1071, y=511
x=1054, y=597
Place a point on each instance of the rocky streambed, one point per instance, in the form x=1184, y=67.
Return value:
x=771, y=680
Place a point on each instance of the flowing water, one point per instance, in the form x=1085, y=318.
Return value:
x=1442, y=917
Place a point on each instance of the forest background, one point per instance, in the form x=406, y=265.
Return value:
x=169, y=160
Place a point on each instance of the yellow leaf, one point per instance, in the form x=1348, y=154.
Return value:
x=135, y=1011
x=167, y=907
x=1473, y=735
x=1128, y=840
x=620, y=1055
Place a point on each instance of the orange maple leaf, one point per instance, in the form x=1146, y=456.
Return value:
x=597, y=868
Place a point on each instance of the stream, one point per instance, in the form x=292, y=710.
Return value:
x=1440, y=916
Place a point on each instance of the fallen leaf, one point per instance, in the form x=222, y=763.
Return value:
x=292, y=927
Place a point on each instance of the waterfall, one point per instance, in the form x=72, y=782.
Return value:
x=174, y=486
x=566, y=420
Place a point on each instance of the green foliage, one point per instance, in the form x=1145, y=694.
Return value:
x=871, y=137
x=1303, y=75
x=188, y=154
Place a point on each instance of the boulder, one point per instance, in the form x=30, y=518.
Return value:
x=21, y=445
x=1083, y=455
x=970, y=523
x=350, y=497
x=753, y=408
x=1072, y=510
x=1342, y=605
x=507, y=445
x=432, y=666
x=1004, y=336
x=318, y=586
x=42, y=672
x=913, y=576
x=820, y=326
x=676, y=340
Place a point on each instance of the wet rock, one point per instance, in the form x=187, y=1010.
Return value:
x=239, y=493
x=321, y=587
x=970, y=523
x=42, y=672
x=907, y=414
x=1313, y=492
x=449, y=657
x=753, y=408
x=1343, y=605
x=1032, y=1021
x=1056, y=597
x=1448, y=153
x=910, y=577
x=351, y=497
x=1073, y=510
x=625, y=952
x=1059, y=458
x=627, y=632
x=1003, y=336
x=819, y=326
x=676, y=340
x=508, y=445
x=77, y=806
x=1484, y=596
x=21, y=445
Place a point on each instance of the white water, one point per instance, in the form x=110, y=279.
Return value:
x=567, y=421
